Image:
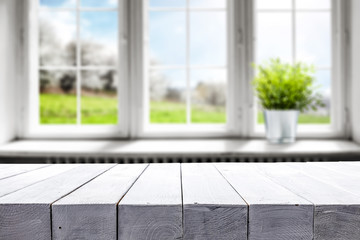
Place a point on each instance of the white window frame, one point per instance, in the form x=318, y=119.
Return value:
x=339, y=84
x=131, y=71
x=31, y=126
x=140, y=127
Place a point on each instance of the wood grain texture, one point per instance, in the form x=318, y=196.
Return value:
x=16, y=169
x=274, y=212
x=331, y=203
x=12, y=184
x=336, y=174
x=212, y=208
x=90, y=212
x=4, y=166
x=25, y=214
x=152, y=209
x=340, y=167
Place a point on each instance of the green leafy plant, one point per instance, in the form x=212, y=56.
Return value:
x=282, y=86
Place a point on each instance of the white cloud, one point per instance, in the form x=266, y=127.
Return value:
x=113, y=2
x=62, y=23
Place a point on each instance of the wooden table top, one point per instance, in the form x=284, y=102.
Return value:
x=180, y=201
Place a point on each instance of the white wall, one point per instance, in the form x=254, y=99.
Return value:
x=7, y=76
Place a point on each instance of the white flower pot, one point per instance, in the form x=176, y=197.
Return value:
x=281, y=125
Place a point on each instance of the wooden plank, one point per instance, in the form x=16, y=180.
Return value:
x=152, y=209
x=12, y=184
x=16, y=169
x=212, y=208
x=90, y=212
x=274, y=212
x=337, y=212
x=334, y=174
x=25, y=214
x=4, y=166
x=352, y=163
x=340, y=167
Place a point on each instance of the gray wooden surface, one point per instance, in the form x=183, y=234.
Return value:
x=212, y=208
x=26, y=214
x=90, y=212
x=15, y=169
x=274, y=212
x=152, y=209
x=9, y=185
x=330, y=202
x=282, y=201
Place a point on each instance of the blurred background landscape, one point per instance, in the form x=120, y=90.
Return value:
x=60, y=67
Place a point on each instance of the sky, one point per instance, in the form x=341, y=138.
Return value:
x=167, y=34
x=83, y=3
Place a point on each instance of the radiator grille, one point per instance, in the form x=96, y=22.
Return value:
x=151, y=158
x=177, y=159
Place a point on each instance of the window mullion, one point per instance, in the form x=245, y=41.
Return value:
x=188, y=87
x=78, y=64
x=293, y=13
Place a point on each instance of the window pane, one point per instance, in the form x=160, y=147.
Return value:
x=99, y=32
x=322, y=115
x=167, y=3
x=311, y=4
x=208, y=38
x=208, y=96
x=58, y=3
x=208, y=3
x=167, y=39
x=167, y=96
x=274, y=4
x=314, y=38
x=57, y=38
x=57, y=97
x=97, y=3
x=99, y=100
x=273, y=36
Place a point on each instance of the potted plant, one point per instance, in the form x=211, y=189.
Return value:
x=283, y=91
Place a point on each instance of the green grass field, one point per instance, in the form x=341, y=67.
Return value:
x=61, y=109
x=169, y=112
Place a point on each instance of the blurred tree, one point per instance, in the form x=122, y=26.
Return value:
x=108, y=77
x=67, y=83
x=210, y=93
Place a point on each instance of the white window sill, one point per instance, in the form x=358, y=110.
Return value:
x=37, y=148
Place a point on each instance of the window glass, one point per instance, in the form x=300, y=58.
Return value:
x=311, y=4
x=78, y=54
x=298, y=33
x=98, y=32
x=58, y=3
x=167, y=38
x=99, y=100
x=208, y=96
x=274, y=36
x=208, y=44
x=167, y=95
x=97, y=3
x=57, y=97
x=167, y=3
x=187, y=63
x=57, y=38
x=274, y=4
x=207, y=3
x=313, y=38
